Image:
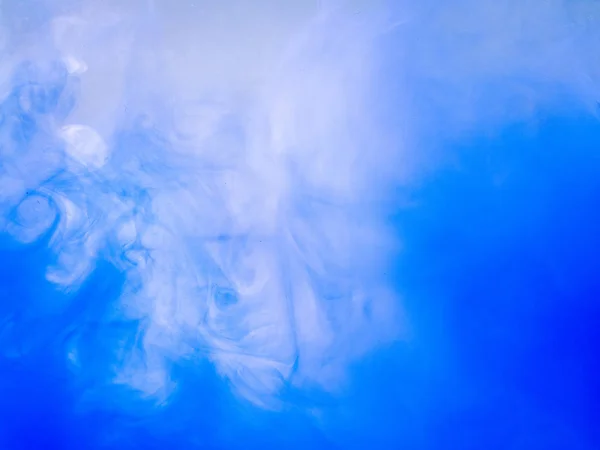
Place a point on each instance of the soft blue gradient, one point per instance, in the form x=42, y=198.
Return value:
x=385, y=238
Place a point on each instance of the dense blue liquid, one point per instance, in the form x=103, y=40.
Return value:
x=500, y=280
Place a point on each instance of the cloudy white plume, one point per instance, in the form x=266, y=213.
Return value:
x=237, y=160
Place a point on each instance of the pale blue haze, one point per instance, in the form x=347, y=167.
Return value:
x=304, y=224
